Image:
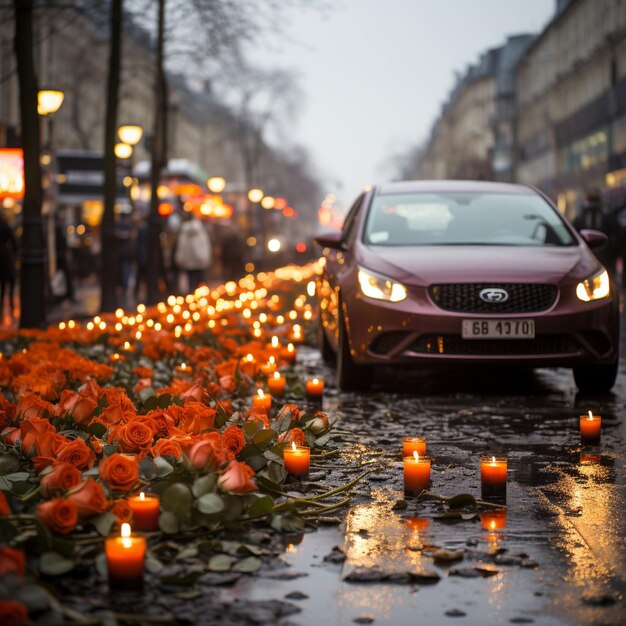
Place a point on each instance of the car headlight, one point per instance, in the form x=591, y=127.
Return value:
x=380, y=287
x=595, y=287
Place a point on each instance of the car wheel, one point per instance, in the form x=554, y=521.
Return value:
x=598, y=378
x=350, y=376
x=328, y=354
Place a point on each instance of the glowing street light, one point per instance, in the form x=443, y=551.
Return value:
x=123, y=150
x=216, y=184
x=49, y=101
x=273, y=245
x=267, y=202
x=130, y=134
x=255, y=195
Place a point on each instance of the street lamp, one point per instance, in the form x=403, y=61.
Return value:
x=216, y=184
x=267, y=202
x=130, y=134
x=255, y=195
x=49, y=101
x=123, y=150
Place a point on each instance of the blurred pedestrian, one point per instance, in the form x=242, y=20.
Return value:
x=63, y=276
x=232, y=245
x=596, y=216
x=8, y=254
x=193, y=250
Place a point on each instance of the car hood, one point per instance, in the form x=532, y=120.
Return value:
x=426, y=265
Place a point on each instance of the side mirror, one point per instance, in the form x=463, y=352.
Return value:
x=331, y=239
x=595, y=239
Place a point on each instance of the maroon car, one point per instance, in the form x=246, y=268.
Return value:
x=428, y=272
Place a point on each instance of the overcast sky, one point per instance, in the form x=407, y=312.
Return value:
x=375, y=73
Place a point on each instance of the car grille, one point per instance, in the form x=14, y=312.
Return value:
x=455, y=344
x=385, y=343
x=465, y=298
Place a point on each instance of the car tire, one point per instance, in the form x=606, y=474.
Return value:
x=350, y=376
x=328, y=354
x=598, y=378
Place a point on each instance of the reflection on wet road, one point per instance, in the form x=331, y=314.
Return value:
x=557, y=556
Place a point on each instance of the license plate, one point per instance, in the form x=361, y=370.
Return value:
x=498, y=329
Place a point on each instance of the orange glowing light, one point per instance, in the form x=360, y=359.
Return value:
x=11, y=173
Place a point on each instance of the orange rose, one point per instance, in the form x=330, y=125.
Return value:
x=228, y=383
x=166, y=447
x=5, y=509
x=196, y=418
x=76, y=453
x=295, y=434
x=207, y=453
x=135, y=436
x=31, y=428
x=233, y=441
x=12, y=613
x=122, y=511
x=236, y=478
x=119, y=408
x=195, y=392
x=319, y=424
x=88, y=498
x=290, y=409
x=143, y=372
x=12, y=561
x=48, y=444
x=253, y=416
x=159, y=419
x=59, y=515
x=79, y=408
x=120, y=471
x=31, y=405
x=63, y=477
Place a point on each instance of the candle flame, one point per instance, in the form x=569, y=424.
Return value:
x=271, y=360
x=276, y=375
x=290, y=348
x=416, y=456
x=260, y=393
x=274, y=342
x=249, y=358
x=315, y=381
x=125, y=530
x=293, y=446
x=493, y=460
x=590, y=415
x=492, y=524
x=142, y=496
x=183, y=365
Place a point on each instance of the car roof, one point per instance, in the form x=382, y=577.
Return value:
x=471, y=186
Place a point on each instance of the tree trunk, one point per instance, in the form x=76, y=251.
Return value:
x=159, y=151
x=33, y=283
x=110, y=261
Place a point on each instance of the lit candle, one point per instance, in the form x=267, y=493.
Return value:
x=262, y=400
x=590, y=427
x=269, y=367
x=416, y=474
x=493, y=520
x=183, y=368
x=288, y=354
x=125, y=557
x=276, y=384
x=493, y=478
x=413, y=444
x=297, y=459
x=145, y=510
x=248, y=365
x=296, y=333
x=314, y=388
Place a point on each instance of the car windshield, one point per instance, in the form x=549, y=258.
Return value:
x=464, y=218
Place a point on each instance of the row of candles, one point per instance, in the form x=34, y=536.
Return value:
x=125, y=554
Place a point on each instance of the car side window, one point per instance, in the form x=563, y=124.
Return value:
x=348, y=224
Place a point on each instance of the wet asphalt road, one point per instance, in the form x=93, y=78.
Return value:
x=561, y=557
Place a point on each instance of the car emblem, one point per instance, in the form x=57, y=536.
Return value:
x=494, y=295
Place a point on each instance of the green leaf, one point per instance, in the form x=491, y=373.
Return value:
x=252, y=428
x=147, y=469
x=54, y=564
x=103, y=523
x=17, y=477
x=163, y=468
x=168, y=523
x=256, y=462
x=285, y=423
x=164, y=400
x=287, y=523
x=146, y=394
x=101, y=564
x=177, y=498
x=276, y=472
x=264, y=437
x=187, y=553
x=323, y=440
x=261, y=506
x=97, y=429
x=33, y=597
x=7, y=531
x=8, y=464
x=153, y=565
x=204, y=484
x=250, y=564
x=461, y=500
x=210, y=504
x=233, y=507
x=220, y=563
